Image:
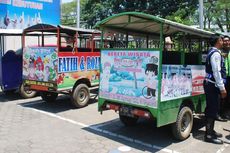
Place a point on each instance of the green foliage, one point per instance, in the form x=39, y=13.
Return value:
x=216, y=12
x=216, y=16
x=93, y=11
x=68, y=12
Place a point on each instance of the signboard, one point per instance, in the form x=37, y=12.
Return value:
x=198, y=75
x=130, y=76
x=73, y=67
x=181, y=81
x=20, y=14
x=44, y=69
x=40, y=64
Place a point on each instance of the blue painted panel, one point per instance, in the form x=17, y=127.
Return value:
x=11, y=70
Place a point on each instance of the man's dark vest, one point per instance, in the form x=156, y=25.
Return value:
x=208, y=67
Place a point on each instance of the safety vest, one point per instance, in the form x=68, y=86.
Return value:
x=208, y=67
x=227, y=64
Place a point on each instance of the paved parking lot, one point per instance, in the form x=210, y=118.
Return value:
x=34, y=126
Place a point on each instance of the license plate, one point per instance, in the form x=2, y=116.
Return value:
x=127, y=111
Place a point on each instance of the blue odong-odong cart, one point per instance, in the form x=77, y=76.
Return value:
x=11, y=63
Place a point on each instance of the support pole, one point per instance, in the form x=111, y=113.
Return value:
x=78, y=14
x=201, y=14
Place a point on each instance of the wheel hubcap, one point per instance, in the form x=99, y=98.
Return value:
x=185, y=122
x=82, y=95
x=28, y=91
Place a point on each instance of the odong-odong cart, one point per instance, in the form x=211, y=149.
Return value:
x=65, y=61
x=153, y=70
x=11, y=63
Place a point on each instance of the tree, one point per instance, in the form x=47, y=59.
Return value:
x=96, y=10
x=216, y=12
x=68, y=15
x=216, y=15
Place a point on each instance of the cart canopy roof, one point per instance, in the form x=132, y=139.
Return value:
x=64, y=29
x=138, y=22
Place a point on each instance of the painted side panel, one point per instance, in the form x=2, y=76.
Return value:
x=130, y=76
x=40, y=67
x=72, y=68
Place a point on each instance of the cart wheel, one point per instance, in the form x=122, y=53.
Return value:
x=26, y=93
x=182, y=127
x=128, y=121
x=80, y=96
x=49, y=96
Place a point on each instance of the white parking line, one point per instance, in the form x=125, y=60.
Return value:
x=222, y=148
x=95, y=128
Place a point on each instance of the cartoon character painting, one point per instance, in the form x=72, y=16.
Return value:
x=39, y=68
x=104, y=83
x=40, y=65
x=31, y=72
x=60, y=79
x=47, y=73
x=151, y=72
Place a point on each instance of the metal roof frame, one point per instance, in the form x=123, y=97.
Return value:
x=148, y=24
x=64, y=29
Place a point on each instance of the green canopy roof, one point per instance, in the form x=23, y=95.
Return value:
x=147, y=24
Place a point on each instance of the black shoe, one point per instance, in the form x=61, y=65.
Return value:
x=212, y=139
x=218, y=118
x=219, y=135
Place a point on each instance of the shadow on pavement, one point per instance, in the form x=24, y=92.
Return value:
x=61, y=104
x=6, y=97
x=144, y=136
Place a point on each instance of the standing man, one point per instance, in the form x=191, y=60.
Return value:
x=225, y=104
x=214, y=87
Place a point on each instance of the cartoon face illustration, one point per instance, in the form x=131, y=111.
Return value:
x=151, y=70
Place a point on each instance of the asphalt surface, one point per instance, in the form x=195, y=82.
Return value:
x=34, y=126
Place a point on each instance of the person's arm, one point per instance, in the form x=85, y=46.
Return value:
x=216, y=69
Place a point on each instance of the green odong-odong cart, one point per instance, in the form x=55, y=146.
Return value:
x=153, y=69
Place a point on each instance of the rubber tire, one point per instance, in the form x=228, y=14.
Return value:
x=128, y=121
x=26, y=93
x=49, y=96
x=80, y=96
x=177, y=130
